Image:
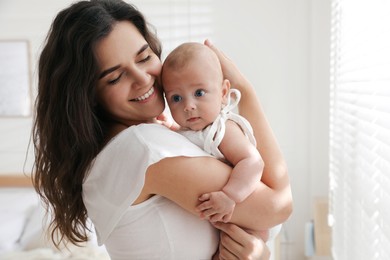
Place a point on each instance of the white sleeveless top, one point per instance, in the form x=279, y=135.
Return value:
x=211, y=137
x=156, y=228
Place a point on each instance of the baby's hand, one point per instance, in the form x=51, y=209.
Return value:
x=166, y=120
x=216, y=206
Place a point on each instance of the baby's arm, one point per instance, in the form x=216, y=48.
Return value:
x=247, y=171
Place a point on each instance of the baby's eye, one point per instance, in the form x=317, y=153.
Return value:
x=176, y=98
x=199, y=93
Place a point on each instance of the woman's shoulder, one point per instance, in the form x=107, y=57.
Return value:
x=145, y=130
x=137, y=133
x=152, y=141
x=156, y=137
x=132, y=148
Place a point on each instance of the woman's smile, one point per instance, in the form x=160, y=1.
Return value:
x=146, y=96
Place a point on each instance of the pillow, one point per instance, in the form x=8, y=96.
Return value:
x=15, y=206
x=35, y=240
x=11, y=227
x=34, y=233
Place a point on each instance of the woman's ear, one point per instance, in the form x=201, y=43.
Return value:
x=225, y=90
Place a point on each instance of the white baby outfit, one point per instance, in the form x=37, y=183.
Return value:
x=210, y=138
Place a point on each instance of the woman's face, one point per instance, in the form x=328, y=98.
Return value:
x=128, y=89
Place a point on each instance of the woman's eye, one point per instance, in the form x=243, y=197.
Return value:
x=116, y=80
x=176, y=98
x=145, y=59
x=199, y=93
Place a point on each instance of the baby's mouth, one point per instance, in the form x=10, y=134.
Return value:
x=193, y=119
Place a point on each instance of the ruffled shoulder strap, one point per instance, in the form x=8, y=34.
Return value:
x=217, y=130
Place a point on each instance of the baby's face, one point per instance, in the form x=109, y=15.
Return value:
x=194, y=94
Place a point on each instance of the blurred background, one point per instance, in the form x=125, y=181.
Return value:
x=282, y=46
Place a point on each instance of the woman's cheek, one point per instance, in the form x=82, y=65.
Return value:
x=157, y=65
x=109, y=98
x=156, y=72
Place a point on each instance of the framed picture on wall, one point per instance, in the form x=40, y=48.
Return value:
x=15, y=89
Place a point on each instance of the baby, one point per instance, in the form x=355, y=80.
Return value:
x=201, y=103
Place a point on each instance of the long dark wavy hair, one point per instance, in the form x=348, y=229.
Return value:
x=69, y=129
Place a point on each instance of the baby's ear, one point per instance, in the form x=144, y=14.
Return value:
x=225, y=90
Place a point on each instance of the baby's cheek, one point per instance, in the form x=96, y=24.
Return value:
x=177, y=117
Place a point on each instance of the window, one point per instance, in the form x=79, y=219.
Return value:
x=15, y=99
x=178, y=21
x=360, y=129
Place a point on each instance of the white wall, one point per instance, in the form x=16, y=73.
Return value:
x=22, y=20
x=282, y=46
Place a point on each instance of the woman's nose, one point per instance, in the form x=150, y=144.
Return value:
x=140, y=78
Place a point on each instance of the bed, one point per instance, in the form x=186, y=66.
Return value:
x=23, y=226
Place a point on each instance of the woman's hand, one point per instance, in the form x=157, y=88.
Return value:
x=230, y=70
x=236, y=243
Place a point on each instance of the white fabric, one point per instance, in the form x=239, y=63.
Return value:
x=211, y=137
x=16, y=204
x=50, y=253
x=159, y=229
x=156, y=228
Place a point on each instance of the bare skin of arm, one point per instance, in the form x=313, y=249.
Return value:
x=248, y=165
x=275, y=174
x=275, y=169
x=184, y=179
x=247, y=171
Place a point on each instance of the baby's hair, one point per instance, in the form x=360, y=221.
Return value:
x=187, y=52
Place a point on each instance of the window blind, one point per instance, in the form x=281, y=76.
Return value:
x=360, y=129
x=178, y=21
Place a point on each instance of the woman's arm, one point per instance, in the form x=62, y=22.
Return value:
x=184, y=179
x=275, y=170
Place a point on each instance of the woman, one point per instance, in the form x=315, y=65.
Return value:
x=101, y=155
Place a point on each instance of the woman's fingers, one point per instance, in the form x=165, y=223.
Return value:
x=229, y=69
x=236, y=234
x=223, y=59
x=225, y=254
x=240, y=244
x=217, y=51
x=229, y=247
